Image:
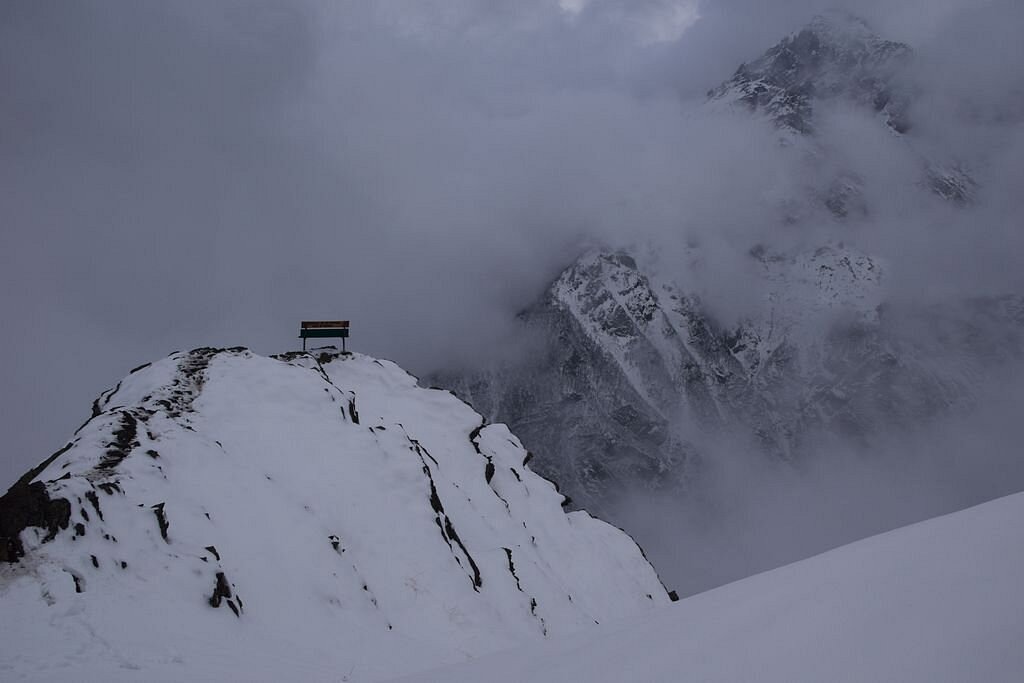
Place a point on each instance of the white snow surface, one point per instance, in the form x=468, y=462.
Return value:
x=348, y=509
x=937, y=601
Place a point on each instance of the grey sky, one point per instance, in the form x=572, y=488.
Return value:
x=182, y=174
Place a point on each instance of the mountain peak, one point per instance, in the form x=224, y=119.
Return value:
x=839, y=26
x=836, y=55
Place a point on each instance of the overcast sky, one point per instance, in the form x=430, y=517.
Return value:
x=174, y=175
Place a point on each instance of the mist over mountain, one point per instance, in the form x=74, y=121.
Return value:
x=782, y=350
x=742, y=278
x=195, y=172
x=430, y=171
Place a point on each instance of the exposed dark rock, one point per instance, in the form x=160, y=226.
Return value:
x=95, y=500
x=26, y=505
x=289, y=356
x=123, y=443
x=512, y=568
x=435, y=500
x=96, y=410
x=109, y=487
x=421, y=451
x=161, y=519
x=447, y=529
x=191, y=377
x=213, y=551
x=450, y=530
x=221, y=590
x=97, y=404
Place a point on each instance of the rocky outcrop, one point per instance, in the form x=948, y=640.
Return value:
x=351, y=508
x=632, y=368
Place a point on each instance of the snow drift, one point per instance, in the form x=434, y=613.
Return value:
x=936, y=601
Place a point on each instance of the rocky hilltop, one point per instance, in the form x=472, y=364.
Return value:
x=308, y=516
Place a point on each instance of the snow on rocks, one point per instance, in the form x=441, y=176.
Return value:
x=305, y=516
x=835, y=55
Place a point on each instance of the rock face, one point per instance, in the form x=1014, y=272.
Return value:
x=836, y=56
x=632, y=366
x=310, y=513
x=838, y=59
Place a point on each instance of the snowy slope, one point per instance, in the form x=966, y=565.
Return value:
x=937, y=601
x=235, y=517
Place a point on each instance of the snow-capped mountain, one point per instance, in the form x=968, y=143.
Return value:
x=306, y=517
x=838, y=60
x=634, y=363
x=632, y=366
x=836, y=56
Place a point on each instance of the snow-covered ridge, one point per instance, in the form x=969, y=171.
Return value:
x=313, y=514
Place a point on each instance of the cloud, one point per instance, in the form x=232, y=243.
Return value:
x=750, y=514
x=180, y=175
